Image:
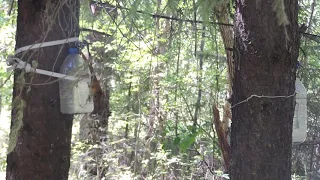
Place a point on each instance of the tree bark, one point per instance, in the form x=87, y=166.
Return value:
x=265, y=65
x=222, y=15
x=42, y=148
x=226, y=32
x=222, y=139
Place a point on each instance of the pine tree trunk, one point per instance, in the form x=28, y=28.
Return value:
x=265, y=65
x=42, y=149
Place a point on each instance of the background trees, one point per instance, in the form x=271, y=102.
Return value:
x=124, y=37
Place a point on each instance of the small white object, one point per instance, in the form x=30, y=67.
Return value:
x=75, y=96
x=299, y=133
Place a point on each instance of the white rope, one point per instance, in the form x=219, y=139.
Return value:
x=257, y=96
x=18, y=63
x=46, y=44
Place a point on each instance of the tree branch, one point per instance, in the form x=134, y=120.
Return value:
x=313, y=37
x=95, y=32
x=158, y=15
x=222, y=138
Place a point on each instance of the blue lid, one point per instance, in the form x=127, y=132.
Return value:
x=298, y=64
x=73, y=51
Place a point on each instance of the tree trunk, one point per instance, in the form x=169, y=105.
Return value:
x=222, y=129
x=226, y=32
x=266, y=52
x=42, y=147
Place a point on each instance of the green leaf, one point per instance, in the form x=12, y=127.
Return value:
x=187, y=142
x=176, y=140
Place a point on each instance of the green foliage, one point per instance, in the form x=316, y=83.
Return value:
x=134, y=66
x=187, y=141
x=130, y=66
x=7, y=31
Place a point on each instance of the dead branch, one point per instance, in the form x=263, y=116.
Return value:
x=222, y=138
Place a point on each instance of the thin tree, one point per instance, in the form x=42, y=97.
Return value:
x=40, y=134
x=266, y=52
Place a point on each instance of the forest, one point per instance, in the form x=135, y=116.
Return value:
x=160, y=89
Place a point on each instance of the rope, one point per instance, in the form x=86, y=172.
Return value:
x=46, y=44
x=258, y=96
x=18, y=63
